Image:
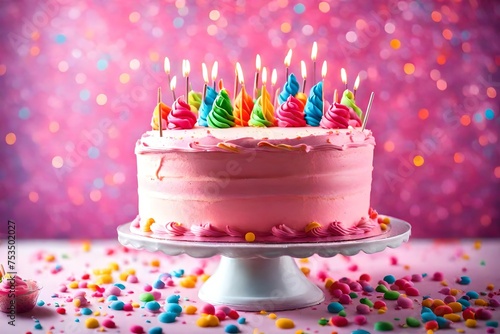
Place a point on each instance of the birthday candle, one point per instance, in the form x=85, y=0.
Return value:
x=314, y=53
x=304, y=75
x=215, y=67
x=288, y=61
x=257, y=71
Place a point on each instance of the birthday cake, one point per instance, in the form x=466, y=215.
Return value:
x=287, y=168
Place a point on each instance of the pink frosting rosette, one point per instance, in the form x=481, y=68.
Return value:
x=181, y=117
x=336, y=117
x=289, y=113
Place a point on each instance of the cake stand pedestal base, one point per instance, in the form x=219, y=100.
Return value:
x=261, y=276
x=255, y=284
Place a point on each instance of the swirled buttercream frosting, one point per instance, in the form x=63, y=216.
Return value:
x=206, y=106
x=263, y=111
x=313, y=109
x=221, y=115
x=336, y=117
x=289, y=113
x=165, y=110
x=243, y=105
x=348, y=100
x=291, y=87
x=194, y=100
x=181, y=117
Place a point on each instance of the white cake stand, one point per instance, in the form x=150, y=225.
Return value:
x=261, y=276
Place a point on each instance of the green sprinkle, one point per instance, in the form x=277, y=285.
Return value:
x=146, y=297
x=342, y=313
x=391, y=295
x=412, y=322
x=383, y=326
x=381, y=288
x=323, y=322
x=353, y=295
x=366, y=301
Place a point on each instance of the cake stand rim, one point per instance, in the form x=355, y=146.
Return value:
x=398, y=234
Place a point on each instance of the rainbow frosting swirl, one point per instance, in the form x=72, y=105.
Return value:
x=165, y=111
x=206, y=106
x=289, y=113
x=262, y=115
x=181, y=117
x=313, y=109
x=348, y=100
x=221, y=115
x=291, y=87
x=336, y=117
x=194, y=100
x=243, y=105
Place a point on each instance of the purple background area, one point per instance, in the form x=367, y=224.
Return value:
x=79, y=79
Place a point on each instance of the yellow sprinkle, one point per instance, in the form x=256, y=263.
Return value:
x=86, y=246
x=490, y=287
x=312, y=225
x=455, y=306
x=114, y=266
x=471, y=323
x=436, y=303
x=256, y=331
x=155, y=263
x=465, y=257
x=382, y=310
x=193, y=278
x=131, y=271
x=304, y=260
x=328, y=282
x=49, y=258
x=101, y=300
x=147, y=225
x=92, y=286
x=101, y=329
x=383, y=226
x=97, y=313
x=305, y=270
x=460, y=330
x=106, y=279
x=454, y=292
x=285, y=323
x=300, y=331
x=477, y=244
x=136, y=305
x=187, y=283
x=430, y=331
x=272, y=316
x=204, y=277
x=73, y=285
x=208, y=321
x=250, y=237
x=427, y=302
x=444, y=283
x=406, y=267
x=123, y=276
x=263, y=312
x=96, y=271
x=386, y=220
x=190, y=309
x=480, y=302
x=91, y=323
x=453, y=317
x=77, y=302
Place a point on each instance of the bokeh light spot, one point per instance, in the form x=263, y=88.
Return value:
x=80, y=78
x=24, y=113
x=53, y=126
x=435, y=75
x=409, y=68
x=33, y=196
x=95, y=195
x=102, y=64
x=465, y=120
x=458, y=157
x=135, y=64
x=389, y=146
x=101, y=99
x=447, y=34
x=436, y=16
x=57, y=162
x=286, y=27
x=214, y=15
x=60, y=38
x=389, y=28
x=351, y=36
x=3, y=69
x=489, y=114
x=395, y=44
x=178, y=22
x=134, y=17
x=441, y=84
x=84, y=94
x=34, y=51
x=93, y=152
x=483, y=140
x=496, y=172
x=299, y=8
x=124, y=78
x=441, y=59
x=324, y=7
x=10, y=138
x=423, y=113
x=418, y=160
x=63, y=66
x=491, y=92
x=466, y=47
x=212, y=30
x=485, y=220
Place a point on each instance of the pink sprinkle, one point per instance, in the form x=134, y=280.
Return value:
x=345, y=299
x=416, y=278
x=449, y=299
x=411, y=291
x=82, y=285
x=148, y=288
x=63, y=288
x=113, y=291
x=404, y=302
x=69, y=300
x=61, y=310
x=365, y=277
x=400, y=283
x=342, y=286
x=233, y=314
x=353, y=267
x=156, y=294
x=445, y=291
x=483, y=314
x=362, y=309
x=198, y=271
x=96, y=294
x=339, y=321
x=220, y=314
x=336, y=293
x=322, y=275
x=355, y=286
x=394, y=261
x=360, y=320
x=128, y=307
x=85, y=276
x=438, y=276
x=169, y=282
x=208, y=309
x=394, y=287
x=136, y=329
x=225, y=309
x=132, y=279
x=493, y=303
x=108, y=323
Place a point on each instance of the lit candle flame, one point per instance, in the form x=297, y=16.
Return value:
x=258, y=64
x=343, y=75
x=303, y=69
x=288, y=58
x=264, y=76
x=323, y=70
x=166, y=65
x=186, y=68
x=215, y=68
x=204, y=72
x=356, y=83
x=239, y=71
x=274, y=77
x=314, y=51
x=173, y=83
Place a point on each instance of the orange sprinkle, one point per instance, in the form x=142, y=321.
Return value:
x=305, y=270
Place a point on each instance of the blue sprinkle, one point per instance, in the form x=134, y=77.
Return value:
x=86, y=311
x=390, y=279
x=368, y=288
x=178, y=273
x=155, y=330
x=38, y=326
x=424, y=274
x=84, y=94
x=93, y=153
x=58, y=267
x=158, y=284
x=167, y=317
x=120, y=286
x=152, y=306
x=360, y=331
x=492, y=323
x=77, y=320
x=112, y=297
x=428, y=316
x=489, y=113
x=102, y=64
x=464, y=280
x=242, y=320
x=117, y=305
x=164, y=276
x=299, y=8
x=425, y=309
x=24, y=113
x=472, y=294
x=173, y=307
x=335, y=307
x=231, y=329
x=40, y=303
x=465, y=303
x=173, y=299
x=443, y=323
x=60, y=38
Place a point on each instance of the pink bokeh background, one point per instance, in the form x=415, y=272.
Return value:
x=79, y=79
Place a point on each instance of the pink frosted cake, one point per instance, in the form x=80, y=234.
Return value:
x=248, y=171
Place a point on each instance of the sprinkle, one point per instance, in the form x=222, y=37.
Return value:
x=389, y=279
x=438, y=276
x=250, y=237
x=152, y=306
x=335, y=307
x=453, y=317
x=366, y=301
x=108, y=323
x=464, y=280
x=158, y=284
x=362, y=309
x=155, y=330
x=442, y=310
x=492, y=323
x=167, y=317
x=231, y=329
x=61, y=310
x=412, y=322
x=173, y=299
x=404, y=302
x=116, y=305
x=345, y=299
x=360, y=331
x=383, y=326
x=339, y=321
x=173, y=307
x=208, y=321
x=471, y=323
x=455, y=307
x=40, y=303
x=91, y=323
x=190, y=309
x=284, y=323
x=86, y=311
x=323, y=322
x=472, y=294
x=483, y=314
x=379, y=304
x=208, y=309
x=432, y=325
x=360, y=320
x=146, y=297
x=242, y=321
x=136, y=329
x=391, y=295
